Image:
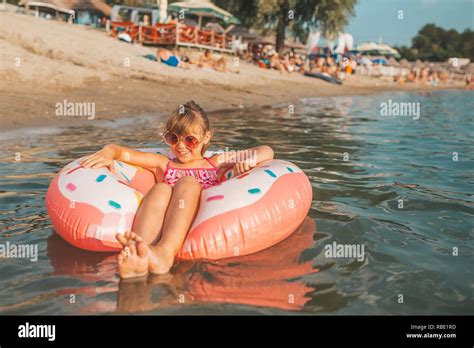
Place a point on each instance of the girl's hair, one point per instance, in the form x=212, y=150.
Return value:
x=186, y=118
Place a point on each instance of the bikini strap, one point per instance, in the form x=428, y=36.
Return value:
x=209, y=160
x=168, y=165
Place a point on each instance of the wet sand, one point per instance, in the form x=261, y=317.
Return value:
x=47, y=62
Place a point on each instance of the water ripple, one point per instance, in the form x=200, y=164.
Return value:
x=389, y=184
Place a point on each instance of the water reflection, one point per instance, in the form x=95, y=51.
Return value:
x=271, y=278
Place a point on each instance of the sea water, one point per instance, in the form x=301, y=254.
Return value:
x=390, y=230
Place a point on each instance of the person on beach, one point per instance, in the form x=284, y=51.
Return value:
x=169, y=208
x=275, y=62
x=207, y=60
x=169, y=58
x=297, y=62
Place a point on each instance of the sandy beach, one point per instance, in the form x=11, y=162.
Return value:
x=46, y=62
x=347, y=194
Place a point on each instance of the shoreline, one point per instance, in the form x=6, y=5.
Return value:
x=137, y=101
x=42, y=66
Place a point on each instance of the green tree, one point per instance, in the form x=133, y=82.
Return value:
x=296, y=16
x=246, y=11
x=436, y=44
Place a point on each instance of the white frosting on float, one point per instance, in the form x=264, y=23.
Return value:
x=108, y=192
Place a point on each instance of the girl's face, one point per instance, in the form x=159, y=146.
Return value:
x=185, y=153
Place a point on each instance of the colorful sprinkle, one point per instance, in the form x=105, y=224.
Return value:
x=125, y=176
x=139, y=197
x=229, y=175
x=122, y=182
x=289, y=169
x=114, y=204
x=101, y=178
x=242, y=176
x=73, y=170
x=269, y=172
x=137, y=167
x=71, y=187
x=120, y=164
x=264, y=166
x=254, y=190
x=215, y=198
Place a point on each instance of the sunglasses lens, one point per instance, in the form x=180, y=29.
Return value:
x=171, y=138
x=191, y=142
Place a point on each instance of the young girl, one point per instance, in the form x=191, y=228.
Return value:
x=169, y=208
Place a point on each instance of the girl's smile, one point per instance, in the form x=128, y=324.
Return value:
x=187, y=148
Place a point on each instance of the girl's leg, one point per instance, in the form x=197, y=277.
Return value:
x=151, y=213
x=180, y=215
x=133, y=259
x=138, y=257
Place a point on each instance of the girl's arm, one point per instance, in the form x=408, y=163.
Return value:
x=111, y=152
x=243, y=160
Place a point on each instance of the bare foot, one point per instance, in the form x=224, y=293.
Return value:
x=160, y=260
x=127, y=238
x=133, y=261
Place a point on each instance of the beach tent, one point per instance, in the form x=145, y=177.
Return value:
x=345, y=42
x=203, y=8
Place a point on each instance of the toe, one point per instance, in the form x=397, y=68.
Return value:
x=133, y=249
x=127, y=235
x=121, y=239
x=133, y=235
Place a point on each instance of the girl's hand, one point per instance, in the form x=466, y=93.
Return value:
x=242, y=167
x=102, y=158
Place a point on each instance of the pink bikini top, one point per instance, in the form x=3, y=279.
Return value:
x=207, y=177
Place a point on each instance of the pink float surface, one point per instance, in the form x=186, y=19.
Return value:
x=239, y=216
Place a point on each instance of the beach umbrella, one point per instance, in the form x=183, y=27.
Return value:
x=388, y=51
x=242, y=32
x=367, y=47
x=215, y=27
x=378, y=49
x=203, y=8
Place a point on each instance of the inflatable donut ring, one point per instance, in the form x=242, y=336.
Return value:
x=239, y=216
